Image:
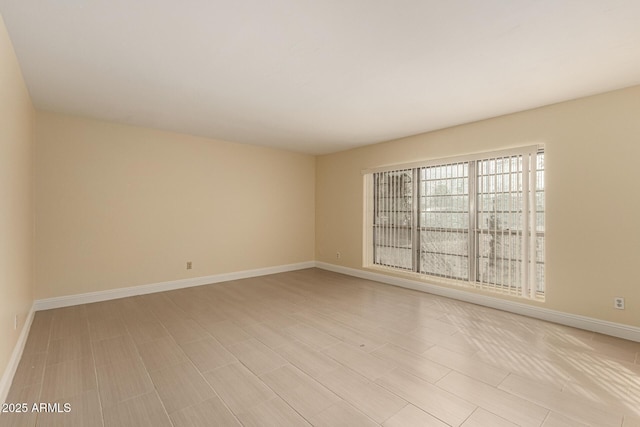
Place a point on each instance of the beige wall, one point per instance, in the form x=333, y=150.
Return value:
x=593, y=195
x=120, y=206
x=16, y=224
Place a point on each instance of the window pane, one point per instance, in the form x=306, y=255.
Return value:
x=445, y=242
x=444, y=221
x=454, y=267
x=500, y=221
x=393, y=253
x=393, y=213
x=540, y=277
x=501, y=245
x=444, y=253
x=540, y=222
x=501, y=272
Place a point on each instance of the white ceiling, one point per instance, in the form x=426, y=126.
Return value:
x=318, y=76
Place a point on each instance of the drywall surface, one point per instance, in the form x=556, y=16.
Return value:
x=592, y=147
x=120, y=206
x=16, y=219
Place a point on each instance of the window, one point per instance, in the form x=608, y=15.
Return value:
x=477, y=220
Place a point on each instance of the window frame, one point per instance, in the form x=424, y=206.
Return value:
x=529, y=285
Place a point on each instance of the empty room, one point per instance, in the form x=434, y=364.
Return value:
x=327, y=213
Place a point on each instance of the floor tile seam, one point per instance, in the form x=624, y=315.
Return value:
x=507, y=372
x=323, y=351
x=620, y=406
x=155, y=390
x=317, y=383
x=562, y=410
x=215, y=392
x=526, y=400
x=133, y=341
x=257, y=338
x=367, y=380
x=98, y=394
x=409, y=402
x=435, y=383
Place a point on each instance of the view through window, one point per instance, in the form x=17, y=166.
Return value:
x=479, y=220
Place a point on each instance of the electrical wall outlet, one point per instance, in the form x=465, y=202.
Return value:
x=338, y=255
x=189, y=265
x=618, y=302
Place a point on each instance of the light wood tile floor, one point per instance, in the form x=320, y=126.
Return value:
x=313, y=347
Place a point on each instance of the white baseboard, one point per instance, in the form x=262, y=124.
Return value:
x=65, y=301
x=588, y=323
x=12, y=366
